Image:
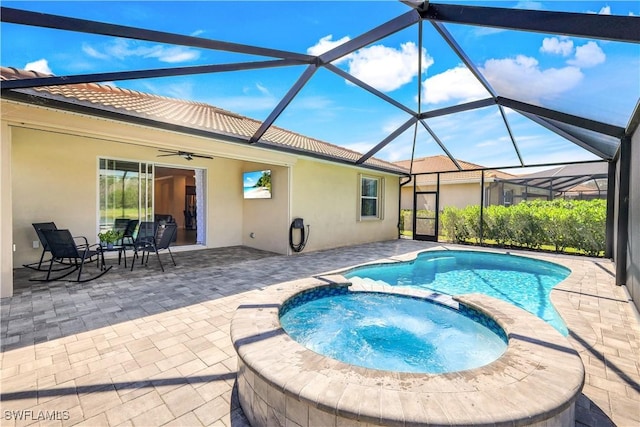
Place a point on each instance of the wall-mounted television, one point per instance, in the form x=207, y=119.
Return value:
x=257, y=184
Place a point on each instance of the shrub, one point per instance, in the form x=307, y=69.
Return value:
x=498, y=224
x=590, y=219
x=471, y=216
x=527, y=225
x=453, y=224
x=562, y=224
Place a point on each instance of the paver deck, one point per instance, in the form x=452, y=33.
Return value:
x=146, y=348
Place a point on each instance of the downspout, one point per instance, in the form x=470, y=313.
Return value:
x=623, y=211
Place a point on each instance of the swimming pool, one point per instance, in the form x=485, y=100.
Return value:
x=392, y=332
x=524, y=282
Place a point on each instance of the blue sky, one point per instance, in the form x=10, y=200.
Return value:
x=593, y=78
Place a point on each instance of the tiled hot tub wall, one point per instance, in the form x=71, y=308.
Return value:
x=536, y=381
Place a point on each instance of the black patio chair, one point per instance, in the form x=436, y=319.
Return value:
x=120, y=224
x=63, y=245
x=163, y=237
x=146, y=235
x=129, y=231
x=39, y=227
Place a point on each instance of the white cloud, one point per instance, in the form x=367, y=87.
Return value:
x=523, y=79
x=92, y=52
x=325, y=44
x=263, y=89
x=520, y=78
x=173, y=54
x=386, y=68
x=41, y=66
x=456, y=83
x=531, y=5
x=606, y=10
x=557, y=46
x=588, y=55
x=122, y=49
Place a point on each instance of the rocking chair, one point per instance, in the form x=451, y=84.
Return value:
x=39, y=227
x=62, y=245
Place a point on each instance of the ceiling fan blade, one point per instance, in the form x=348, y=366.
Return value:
x=184, y=154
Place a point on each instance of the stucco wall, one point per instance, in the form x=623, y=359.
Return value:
x=55, y=178
x=50, y=173
x=457, y=195
x=633, y=245
x=326, y=197
x=265, y=221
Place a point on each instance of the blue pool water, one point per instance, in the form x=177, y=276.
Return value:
x=393, y=332
x=521, y=281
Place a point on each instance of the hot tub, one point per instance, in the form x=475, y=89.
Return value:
x=535, y=382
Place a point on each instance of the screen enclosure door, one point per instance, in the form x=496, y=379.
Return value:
x=425, y=218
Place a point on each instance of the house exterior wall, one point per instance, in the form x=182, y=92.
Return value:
x=326, y=196
x=55, y=178
x=50, y=163
x=265, y=222
x=457, y=195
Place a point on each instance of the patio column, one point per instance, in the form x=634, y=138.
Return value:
x=6, y=214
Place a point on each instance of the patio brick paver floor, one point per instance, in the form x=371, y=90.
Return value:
x=144, y=348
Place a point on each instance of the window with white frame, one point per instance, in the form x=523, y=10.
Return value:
x=125, y=191
x=370, y=197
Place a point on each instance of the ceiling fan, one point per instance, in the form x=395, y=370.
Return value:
x=184, y=154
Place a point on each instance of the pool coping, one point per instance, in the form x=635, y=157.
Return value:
x=538, y=378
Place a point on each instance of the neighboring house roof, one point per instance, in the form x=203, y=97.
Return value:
x=128, y=105
x=576, y=169
x=429, y=165
x=578, y=177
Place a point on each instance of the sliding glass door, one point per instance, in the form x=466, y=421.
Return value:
x=126, y=191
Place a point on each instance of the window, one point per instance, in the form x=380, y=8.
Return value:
x=126, y=190
x=370, y=197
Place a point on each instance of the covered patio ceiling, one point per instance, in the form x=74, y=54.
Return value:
x=418, y=125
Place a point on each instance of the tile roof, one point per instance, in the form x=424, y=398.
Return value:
x=188, y=114
x=443, y=163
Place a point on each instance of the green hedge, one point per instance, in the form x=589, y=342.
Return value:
x=559, y=224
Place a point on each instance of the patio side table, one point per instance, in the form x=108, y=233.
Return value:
x=122, y=253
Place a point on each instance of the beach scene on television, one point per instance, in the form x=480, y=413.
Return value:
x=257, y=184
